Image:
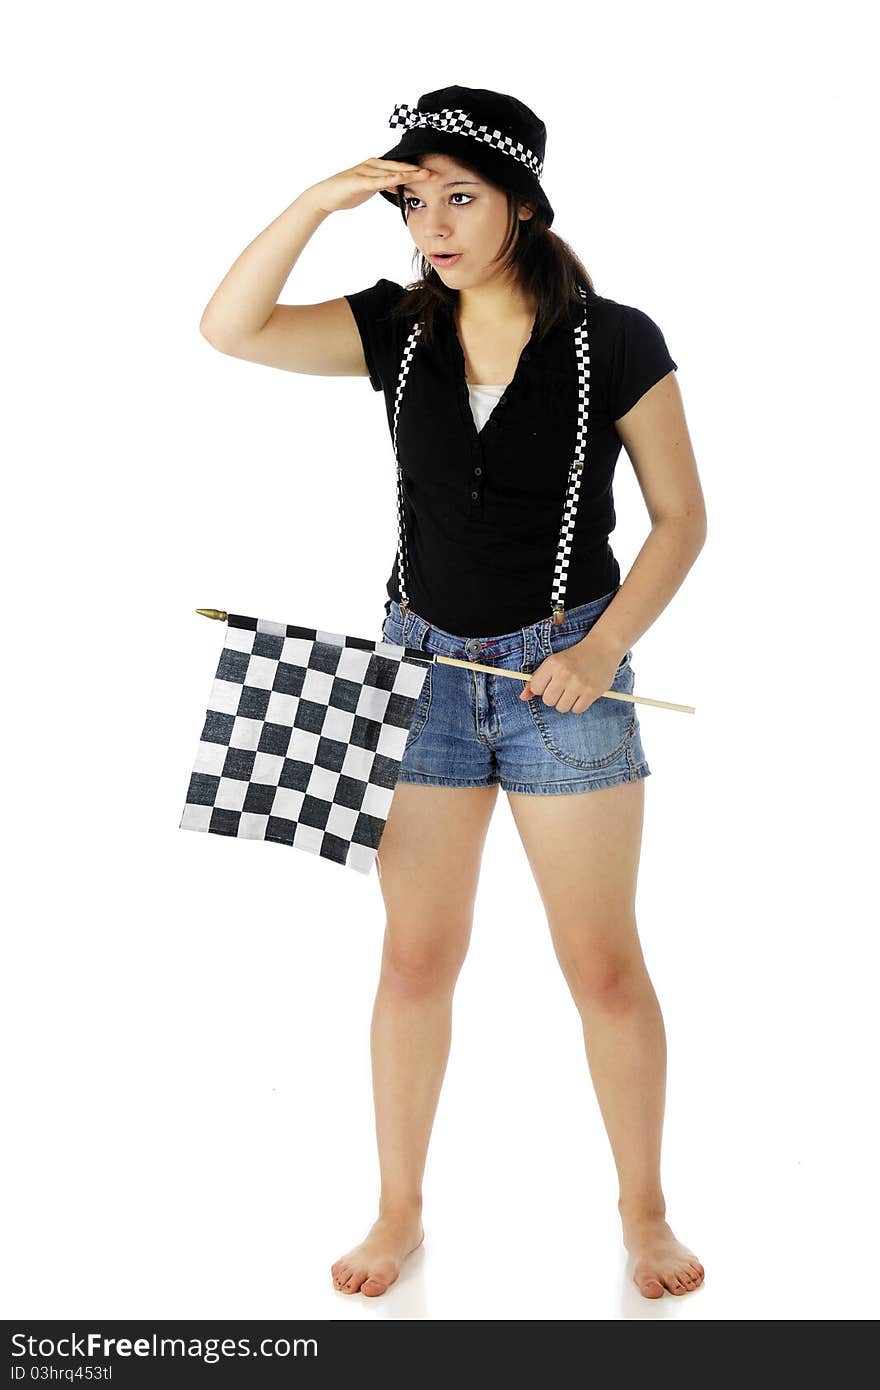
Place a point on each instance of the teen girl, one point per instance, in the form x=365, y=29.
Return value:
x=510, y=386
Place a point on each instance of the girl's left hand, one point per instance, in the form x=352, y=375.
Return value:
x=574, y=678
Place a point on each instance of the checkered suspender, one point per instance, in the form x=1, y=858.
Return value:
x=398, y=396
x=572, y=496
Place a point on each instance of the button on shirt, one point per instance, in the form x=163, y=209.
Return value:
x=483, y=507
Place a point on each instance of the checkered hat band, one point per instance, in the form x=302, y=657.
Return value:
x=454, y=121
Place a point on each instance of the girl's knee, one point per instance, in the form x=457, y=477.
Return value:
x=420, y=967
x=606, y=979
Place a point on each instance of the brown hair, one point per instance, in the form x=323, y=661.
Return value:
x=545, y=266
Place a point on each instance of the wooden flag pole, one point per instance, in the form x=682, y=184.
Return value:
x=514, y=675
x=610, y=694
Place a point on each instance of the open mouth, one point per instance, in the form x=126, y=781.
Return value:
x=449, y=258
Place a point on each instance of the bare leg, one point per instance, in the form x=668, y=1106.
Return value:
x=429, y=866
x=584, y=852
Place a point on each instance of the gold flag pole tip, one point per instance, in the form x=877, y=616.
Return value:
x=213, y=613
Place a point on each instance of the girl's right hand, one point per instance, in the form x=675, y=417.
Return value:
x=354, y=186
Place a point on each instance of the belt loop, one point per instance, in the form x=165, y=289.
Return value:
x=414, y=629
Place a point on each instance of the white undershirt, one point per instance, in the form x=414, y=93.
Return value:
x=483, y=401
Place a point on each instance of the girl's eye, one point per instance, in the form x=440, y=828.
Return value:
x=413, y=199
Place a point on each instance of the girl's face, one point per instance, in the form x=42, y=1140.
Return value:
x=456, y=209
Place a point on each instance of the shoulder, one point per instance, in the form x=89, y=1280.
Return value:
x=380, y=332
x=376, y=299
x=631, y=350
x=617, y=318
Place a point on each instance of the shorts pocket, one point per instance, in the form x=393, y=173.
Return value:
x=598, y=737
x=422, y=709
x=561, y=641
x=391, y=632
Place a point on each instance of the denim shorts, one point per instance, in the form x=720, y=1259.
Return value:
x=471, y=729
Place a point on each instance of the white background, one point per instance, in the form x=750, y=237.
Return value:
x=186, y=1018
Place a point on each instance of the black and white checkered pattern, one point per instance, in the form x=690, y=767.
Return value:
x=303, y=739
x=573, y=491
x=458, y=122
x=572, y=494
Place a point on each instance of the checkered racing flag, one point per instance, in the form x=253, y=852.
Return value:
x=303, y=739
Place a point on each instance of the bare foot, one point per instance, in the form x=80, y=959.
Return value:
x=661, y=1261
x=375, y=1264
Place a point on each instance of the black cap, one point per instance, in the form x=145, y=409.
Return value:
x=496, y=134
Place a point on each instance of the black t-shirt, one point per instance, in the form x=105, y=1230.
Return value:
x=483, y=508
